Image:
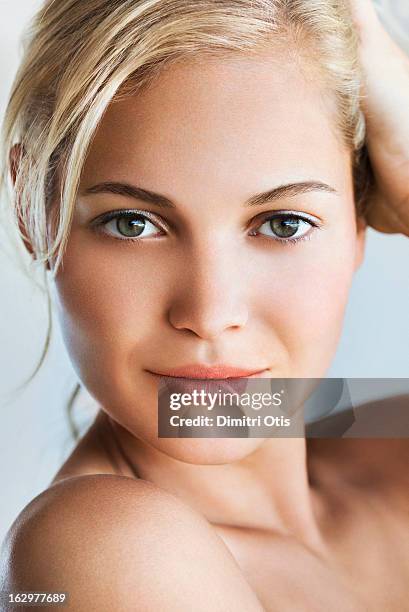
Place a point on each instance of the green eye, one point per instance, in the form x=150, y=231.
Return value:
x=284, y=227
x=130, y=227
x=125, y=225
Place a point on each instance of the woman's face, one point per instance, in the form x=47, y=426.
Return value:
x=200, y=274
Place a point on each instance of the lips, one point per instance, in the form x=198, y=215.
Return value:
x=213, y=379
x=198, y=371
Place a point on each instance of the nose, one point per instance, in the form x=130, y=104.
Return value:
x=209, y=299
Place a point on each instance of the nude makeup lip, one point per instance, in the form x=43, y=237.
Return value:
x=202, y=371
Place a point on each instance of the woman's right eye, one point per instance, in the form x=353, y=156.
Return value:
x=128, y=226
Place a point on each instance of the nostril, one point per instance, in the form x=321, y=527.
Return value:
x=207, y=330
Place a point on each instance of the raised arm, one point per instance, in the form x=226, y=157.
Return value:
x=386, y=109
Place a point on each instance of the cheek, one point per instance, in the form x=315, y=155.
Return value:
x=107, y=306
x=109, y=309
x=305, y=295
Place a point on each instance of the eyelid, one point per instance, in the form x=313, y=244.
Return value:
x=266, y=216
x=108, y=216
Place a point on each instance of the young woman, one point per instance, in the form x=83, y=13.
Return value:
x=194, y=178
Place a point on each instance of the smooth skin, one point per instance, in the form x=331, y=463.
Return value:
x=386, y=103
x=220, y=524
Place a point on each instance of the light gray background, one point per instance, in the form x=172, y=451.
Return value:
x=34, y=437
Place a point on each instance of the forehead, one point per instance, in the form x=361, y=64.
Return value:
x=220, y=120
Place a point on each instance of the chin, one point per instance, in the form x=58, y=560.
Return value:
x=207, y=451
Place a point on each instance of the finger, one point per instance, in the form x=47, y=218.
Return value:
x=365, y=15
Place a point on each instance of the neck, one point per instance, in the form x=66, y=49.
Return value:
x=267, y=490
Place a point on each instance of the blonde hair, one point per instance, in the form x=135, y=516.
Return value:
x=82, y=54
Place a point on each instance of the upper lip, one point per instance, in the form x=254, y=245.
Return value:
x=206, y=371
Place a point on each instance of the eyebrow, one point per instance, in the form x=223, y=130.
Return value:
x=287, y=190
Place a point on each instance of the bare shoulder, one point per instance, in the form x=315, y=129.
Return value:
x=113, y=542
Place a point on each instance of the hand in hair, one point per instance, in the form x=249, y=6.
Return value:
x=386, y=109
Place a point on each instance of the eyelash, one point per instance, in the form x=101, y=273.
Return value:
x=101, y=221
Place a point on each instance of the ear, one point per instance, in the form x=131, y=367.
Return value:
x=15, y=157
x=361, y=226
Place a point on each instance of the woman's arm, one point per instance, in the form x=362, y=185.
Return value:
x=386, y=109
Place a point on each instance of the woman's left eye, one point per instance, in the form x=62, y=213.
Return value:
x=287, y=227
x=128, y=225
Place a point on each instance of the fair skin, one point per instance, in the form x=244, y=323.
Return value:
x=221, y=524
x=386, y=99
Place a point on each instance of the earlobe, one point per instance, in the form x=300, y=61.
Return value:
x=360, y=241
